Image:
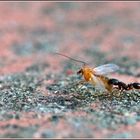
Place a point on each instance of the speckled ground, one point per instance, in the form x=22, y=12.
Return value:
x=38, y=97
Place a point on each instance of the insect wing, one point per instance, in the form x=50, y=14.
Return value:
x=105, y=69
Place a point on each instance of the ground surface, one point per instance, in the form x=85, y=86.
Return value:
x=37, y=96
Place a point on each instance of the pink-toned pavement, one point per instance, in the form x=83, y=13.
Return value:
x=37, y=95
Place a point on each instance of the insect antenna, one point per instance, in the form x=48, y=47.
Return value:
x=71, y=58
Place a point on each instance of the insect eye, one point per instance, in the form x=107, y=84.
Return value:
x=79, y=72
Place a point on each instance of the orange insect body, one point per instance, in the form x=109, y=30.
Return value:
x=87, y=72
x=96, y=76
x=98, y=81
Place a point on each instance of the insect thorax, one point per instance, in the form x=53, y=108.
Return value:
x=87, y=73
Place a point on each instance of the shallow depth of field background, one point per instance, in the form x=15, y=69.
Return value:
x=37, y=99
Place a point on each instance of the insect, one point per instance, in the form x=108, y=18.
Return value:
x=122, y=86
x=133, y=86
x=96, y=76
x=118, y=84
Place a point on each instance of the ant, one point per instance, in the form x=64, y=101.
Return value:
x=122, y=86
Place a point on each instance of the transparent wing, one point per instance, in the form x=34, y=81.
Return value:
x=105, y=69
